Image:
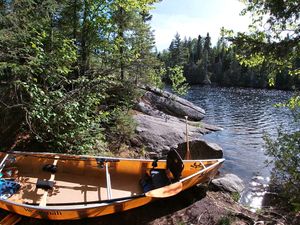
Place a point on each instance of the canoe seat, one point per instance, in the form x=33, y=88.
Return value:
x=175, y=164
x=50, y=168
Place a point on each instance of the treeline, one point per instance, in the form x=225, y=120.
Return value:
x=68, y=71
x=204, y=64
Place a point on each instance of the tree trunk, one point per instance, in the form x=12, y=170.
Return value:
x=121, y=50
x=84, y=43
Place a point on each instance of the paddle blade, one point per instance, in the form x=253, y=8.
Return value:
x=166, y=191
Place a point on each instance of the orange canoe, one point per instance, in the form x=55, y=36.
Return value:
x=67, y=187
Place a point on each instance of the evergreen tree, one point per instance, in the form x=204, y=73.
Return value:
x=199, y=49
x=176, y=52
x=207, y=43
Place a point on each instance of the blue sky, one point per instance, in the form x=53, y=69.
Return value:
x=193, y=17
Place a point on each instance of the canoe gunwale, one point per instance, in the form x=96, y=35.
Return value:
x=49, y=155
x=219, y=161
x=117, y=200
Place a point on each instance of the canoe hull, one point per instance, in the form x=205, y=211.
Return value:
x=192, y=176
x=73, y=214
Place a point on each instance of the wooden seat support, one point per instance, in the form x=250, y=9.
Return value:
x=108, y=182
x=43, y=201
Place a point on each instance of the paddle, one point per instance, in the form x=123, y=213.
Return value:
x=162, y=192
x=166, y=191
x=188, y=153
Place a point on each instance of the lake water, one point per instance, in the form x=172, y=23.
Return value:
x=245, y=115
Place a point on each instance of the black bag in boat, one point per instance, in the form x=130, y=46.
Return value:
x=159, y=178
x=44, y=184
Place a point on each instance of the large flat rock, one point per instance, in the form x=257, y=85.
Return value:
x=160, y=134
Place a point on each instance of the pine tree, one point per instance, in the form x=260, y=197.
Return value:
x=207, y=43
x=199, y=49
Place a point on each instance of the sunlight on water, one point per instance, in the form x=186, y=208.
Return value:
x=255, y=191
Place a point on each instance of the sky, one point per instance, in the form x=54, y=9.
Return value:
x=193, y=17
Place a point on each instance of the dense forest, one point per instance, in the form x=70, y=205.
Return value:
x=68, y=71
x=204, y=64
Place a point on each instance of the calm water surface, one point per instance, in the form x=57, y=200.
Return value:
x=245, y=115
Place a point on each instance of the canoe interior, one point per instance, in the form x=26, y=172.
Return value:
x=82, y=179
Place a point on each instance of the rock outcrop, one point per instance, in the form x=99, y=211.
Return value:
x=161, y=124
x=159, y=134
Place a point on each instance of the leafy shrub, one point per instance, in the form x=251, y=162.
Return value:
x=235, y=196
x=225, y=220
x=285, y=155
x=123, y=128
x=178, y=80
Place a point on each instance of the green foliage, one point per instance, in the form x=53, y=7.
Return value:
x=235, y=196
x=228, y=64
x=178, y=81
x=124, y=127
x=225, y=220
x=285, y=155
x=59, y=62
x=120, y=125
x=294, y=105
x=155, y=78
x=276, y=44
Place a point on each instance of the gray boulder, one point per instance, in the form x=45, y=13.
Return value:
x=169, y=104
x=229, y=182
x=201, y=149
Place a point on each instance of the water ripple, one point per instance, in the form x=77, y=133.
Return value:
x=246, y=116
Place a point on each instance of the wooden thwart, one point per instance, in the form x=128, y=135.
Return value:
x=43, y=201
x=11, y=219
